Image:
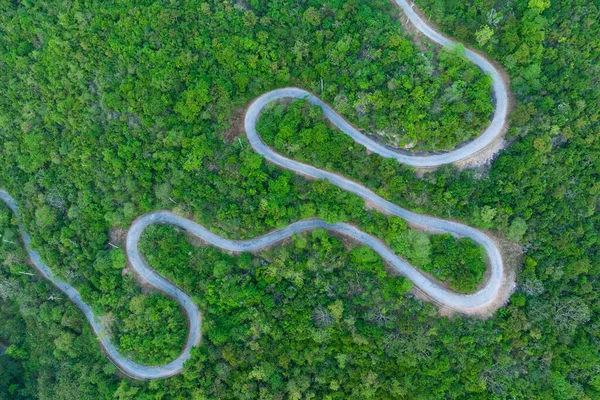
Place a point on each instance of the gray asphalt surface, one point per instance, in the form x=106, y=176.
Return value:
x=467, y=304
x=127, y=366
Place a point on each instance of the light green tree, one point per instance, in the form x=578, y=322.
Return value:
x=484, y=34
x=312, y=16
x=517, y=229
x=541, y=5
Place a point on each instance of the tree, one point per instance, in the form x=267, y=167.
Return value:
x=193, y=101
x=540, y=5
x=517, y=229
x=483, y=35
x=312, y=16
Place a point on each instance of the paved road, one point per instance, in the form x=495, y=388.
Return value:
x=496, y=128
x=128, y=367
x=492, y=133
x=470, y=303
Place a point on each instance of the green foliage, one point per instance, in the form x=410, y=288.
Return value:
x=312, y=16
x=460, y=262
x=541, y=5
x=90, y=139
x=298, y=131
x=483, y=35
x=517, y=229
x=153, y=330
x=51, y=351
x=193, y=102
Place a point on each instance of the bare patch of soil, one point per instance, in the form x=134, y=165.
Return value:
x=237, y=125
x=195, y=240
x=483, y=159
x=117, y=237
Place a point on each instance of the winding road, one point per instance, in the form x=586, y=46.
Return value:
x=486, y=297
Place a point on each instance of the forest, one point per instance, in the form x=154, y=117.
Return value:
x=109, y=110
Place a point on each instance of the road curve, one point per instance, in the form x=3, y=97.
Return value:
x=467, y=304
x=128, y=367
x=491, y=134
x=500, y=93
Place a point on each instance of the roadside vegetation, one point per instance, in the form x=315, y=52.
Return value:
x=112, y=110
x=103, y=121
x=301, y=132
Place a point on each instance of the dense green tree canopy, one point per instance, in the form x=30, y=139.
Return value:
x=109, y=110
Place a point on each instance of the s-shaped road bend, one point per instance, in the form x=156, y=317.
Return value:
x=486, y=297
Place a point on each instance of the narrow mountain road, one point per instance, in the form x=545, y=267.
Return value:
x=486, y=297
